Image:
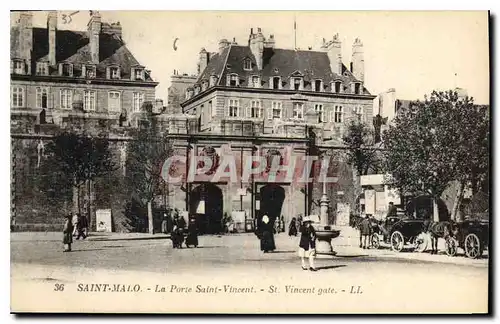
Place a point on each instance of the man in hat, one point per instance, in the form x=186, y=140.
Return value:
x=365, y=229
x=68, y=232
x=307, y=244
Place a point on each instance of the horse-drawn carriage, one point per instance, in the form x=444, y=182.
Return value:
x=471, y=235
x=398, y=232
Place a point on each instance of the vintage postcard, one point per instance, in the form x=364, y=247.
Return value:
x=259, y=162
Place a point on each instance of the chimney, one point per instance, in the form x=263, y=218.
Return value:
x=26, y=38
x=333, y=49
x=112, y=29
x=223, y=43
x=257, y=47
x=52, y=30
x=358, y=60
x=202, y=64
x=94, y=29
x=270, y=43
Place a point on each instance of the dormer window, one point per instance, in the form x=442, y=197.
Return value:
x=204, y=85
x=275, y=82
x=318, y=85
x=233, y=80
x=337, y=86
x=90, y=71
x=297, y=84
x=114, y=72
x=256, y=81
x=18, y=67
x=196, y=89
x=213, y=80
x=42, y=68
x=247, y=65
x=357, y=88
x=66, y=69
x=139, y=74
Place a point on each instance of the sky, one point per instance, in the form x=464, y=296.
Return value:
x=413, y=52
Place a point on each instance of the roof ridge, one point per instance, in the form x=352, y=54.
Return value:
x=224, y=65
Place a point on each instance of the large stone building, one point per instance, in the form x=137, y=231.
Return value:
x=257, y=99
x=79, y=81
x=246, y=100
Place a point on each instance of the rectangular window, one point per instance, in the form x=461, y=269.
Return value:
x=298, y=110
x=357, y=88
x=42, y=97
x=89, y=71
x=338, y=114
x=89, y=97
x=256, y=81
x=137, y=101
x=139, y=74
x=18, y=67
x=17, y=97
x=276, y=82
x=337, y=86
x=317, y=85
x=42, y=68
x=67, y=70
x=296, y=83
x=255, y=109
x=114, y=72
x=321, y=113
x=233, y=108
x=114, y=102
x=247, y=65
x=233, y=80
x=276, y=110
x=358, y=113
x=66, y=99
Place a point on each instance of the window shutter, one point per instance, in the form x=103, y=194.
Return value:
x=132, y=74
x=84, y=70
x=249, y=111
x=228, y=79
x=60, y=69
x=108, y=72
x=11, y=66
x=70, y=69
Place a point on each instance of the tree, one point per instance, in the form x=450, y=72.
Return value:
x=361, y=153
x=82, y=159
x=434, y=142
x=147, y=153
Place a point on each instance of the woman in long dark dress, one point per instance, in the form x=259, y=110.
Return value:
x=192, y=237
x=68, y=233
x=292, y=229
x=266, y=237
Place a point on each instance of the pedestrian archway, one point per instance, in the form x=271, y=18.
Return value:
x=207, y=206
x=272, y=197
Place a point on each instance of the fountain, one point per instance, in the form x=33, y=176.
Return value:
x=324, y=232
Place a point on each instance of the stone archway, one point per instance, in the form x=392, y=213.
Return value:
x=272, y=197
x=207, y=206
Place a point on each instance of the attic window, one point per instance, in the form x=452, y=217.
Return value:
x=90, y=71
x=114, y=72
x=42, y=68
x=297, y=84
x=139, y=74
x=357, y=88
x=256, y=81
x=18, y=67
x=318, y=85
x=204, y=85
x=275, y=83
x=247, y=65
x=337, y=86
x=233, y=80
x=213, y=80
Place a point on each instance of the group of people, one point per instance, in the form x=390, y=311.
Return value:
x=179, y=229
x=74, y=225
x=307, y=243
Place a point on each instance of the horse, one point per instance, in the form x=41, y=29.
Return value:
x=436, y=230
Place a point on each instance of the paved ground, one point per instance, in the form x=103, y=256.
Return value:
x=388, y=281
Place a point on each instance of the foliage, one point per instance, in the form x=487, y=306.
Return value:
x=361, y=153
x=436, y=141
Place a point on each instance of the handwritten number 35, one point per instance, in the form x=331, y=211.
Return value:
x=67, y=19
x=59, y=287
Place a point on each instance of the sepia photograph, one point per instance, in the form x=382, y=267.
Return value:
x=250, y=162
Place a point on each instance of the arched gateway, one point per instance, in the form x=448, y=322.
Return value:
x=207, y=205
x=272, y=197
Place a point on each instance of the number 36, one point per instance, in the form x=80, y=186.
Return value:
x=59, y=287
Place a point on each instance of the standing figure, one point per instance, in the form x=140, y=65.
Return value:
x=177, y=235
x=164, y=224
x=266, y=235
x=292, y=229
x=74, y=221
x=365, y=232
x=80, y=226
x=68, y=233
x=307, y=245
x=192, y=237
x=392, y=211
x=282, y=224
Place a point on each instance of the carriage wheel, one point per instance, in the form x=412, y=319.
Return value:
x=397, y=241
x=473, y=248
x=375, y=241
x=421, y=242
x=451, y=246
